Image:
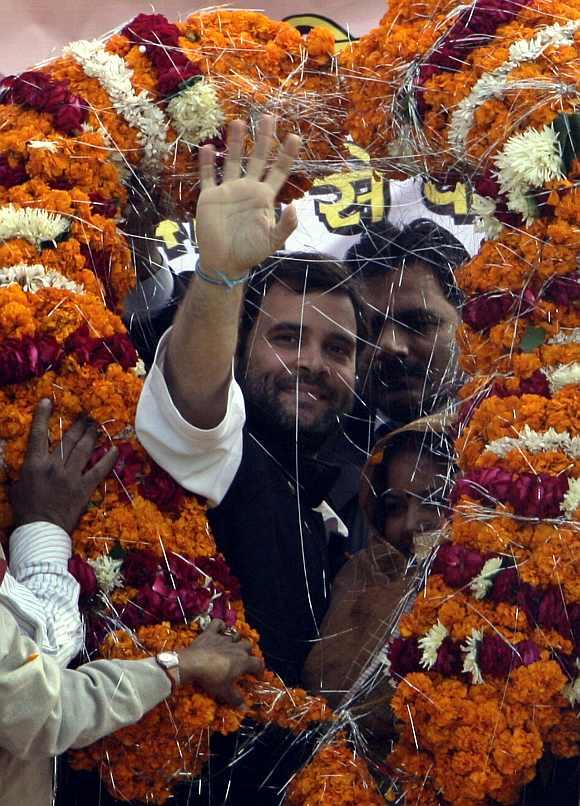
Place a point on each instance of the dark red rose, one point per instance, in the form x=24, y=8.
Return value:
x=101, y=206
x=496, y=656
x=61, y=184
x=152, y=28
x=404, y=656
x=486, y=310
x=146, y=608
x=218, y=570
x=221, y=609
x=526, y=653
x=564, y=289
x=538, y=496
x=11, y=175
x=487, y=186
x=122, y=350
x=458, y=565
x=186, y=603
x=140, y=568
x=536, y=384
x=162, y=490
x=80, y=343
x=31, y=88
x=183, y=570
x=505, y=586
x=85, y=576
x=69, y=117
x=529, y=599
x=552, y=612
x=56, y=96
x=30, y=357
x=449, y=660
x=171, y=78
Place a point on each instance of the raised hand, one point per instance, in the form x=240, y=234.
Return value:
x=235, y=222
x=52, y=485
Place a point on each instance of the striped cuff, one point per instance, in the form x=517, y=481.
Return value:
x=36, y=543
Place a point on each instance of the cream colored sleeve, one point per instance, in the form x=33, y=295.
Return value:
x=45, y=711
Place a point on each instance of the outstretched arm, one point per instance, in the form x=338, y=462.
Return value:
x=236, y=230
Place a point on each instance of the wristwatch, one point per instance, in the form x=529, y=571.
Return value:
x=169, y=662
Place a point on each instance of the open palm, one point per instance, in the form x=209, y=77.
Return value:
x=235, y=221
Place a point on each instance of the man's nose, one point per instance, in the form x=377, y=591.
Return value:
x=313, y=359
x=394, y=340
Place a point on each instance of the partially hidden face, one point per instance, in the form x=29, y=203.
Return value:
x=413, y=500
x=414, y=362
x=300, y=360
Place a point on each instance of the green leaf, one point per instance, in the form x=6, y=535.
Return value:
x=567, y=128
x=532, y=339
x=118, y=552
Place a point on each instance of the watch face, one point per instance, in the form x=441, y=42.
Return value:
x=168, y=659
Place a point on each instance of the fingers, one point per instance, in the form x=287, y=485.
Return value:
x=254, y=666
x=71, y=438
x=216, y=626
x=207, y=167
x=38, y=437
x=81, y=452
x=262, y=148
x=279, y=172
x=235, y=148
x=101, y=470
x=233, y=696
x=284, y=228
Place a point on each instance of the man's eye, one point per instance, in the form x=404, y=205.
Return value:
x=421, y=323
x=394, y=504
x=340, y=350
x=287, y=339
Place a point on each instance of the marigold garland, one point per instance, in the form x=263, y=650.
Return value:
x=69, y=141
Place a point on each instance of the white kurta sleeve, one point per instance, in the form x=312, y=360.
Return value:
x=204, y=462
x=45, y=710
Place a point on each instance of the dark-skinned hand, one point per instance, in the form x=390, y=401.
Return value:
x=52, y=486
x=215, y=661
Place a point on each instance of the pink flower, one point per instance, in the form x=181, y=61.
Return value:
x=151, y=28
x=171, y=78
x=186, y=603
x=218, y=570
x=404, y=656
x=526, y=653
x=11, y=175
x=183, y=570
x=162, y=490
x=221, y=609
x=489, y=486
x=85, y=576
x=57, y=95
x=538, y=496
x=458, y=565
x=30, y=357
x=552, y=612
x=146, y=608
x=128, y=465
x=30, y=88
x=140, y=568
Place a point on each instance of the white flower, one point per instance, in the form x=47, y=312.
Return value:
x=471, y=649
x=572, y=690
x=429, y=644
x=483, y=208
x=108, y=573
x=481, y=584
x=530, y=159
x=536, y=442
x=567, y=335
x=571, y=500
x=31, y=223
x=34, y=277
x=48, y=145
x=497, y=83
x=139, y=369
x=196, y=113
x=562, y=375
x=139, y=111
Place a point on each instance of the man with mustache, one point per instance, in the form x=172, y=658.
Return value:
x=413, y=308
x=251, y=445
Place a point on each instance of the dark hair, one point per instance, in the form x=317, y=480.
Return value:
x=302, y=272
x=384, y=247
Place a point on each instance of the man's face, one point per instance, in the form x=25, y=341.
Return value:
x=414, y=362
x=298, y=369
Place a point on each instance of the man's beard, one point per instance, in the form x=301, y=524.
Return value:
x=405, y=390
x=266, y=410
